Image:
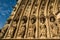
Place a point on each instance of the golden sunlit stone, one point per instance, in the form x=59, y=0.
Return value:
x=33, y=19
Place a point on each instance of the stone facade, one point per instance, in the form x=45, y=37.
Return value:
x=33, y=19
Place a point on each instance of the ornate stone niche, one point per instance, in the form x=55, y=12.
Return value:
x=21, y=32
x=43, y=31
x=33, y=27
x=54, y=30
x=52, y=17
x=31, y=31
x=24, y=19
x=33, y=19
x=42, y=18
x=53, y=26
x=10, y=32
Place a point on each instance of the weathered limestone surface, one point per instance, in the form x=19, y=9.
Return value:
x=33, y=19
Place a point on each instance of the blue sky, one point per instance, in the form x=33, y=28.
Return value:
x=5, y=10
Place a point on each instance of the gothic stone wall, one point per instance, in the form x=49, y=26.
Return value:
x=35, y=19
